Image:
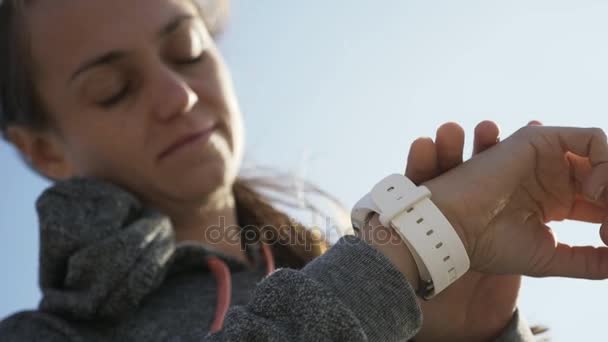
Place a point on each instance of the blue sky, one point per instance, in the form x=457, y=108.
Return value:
x=337, y=90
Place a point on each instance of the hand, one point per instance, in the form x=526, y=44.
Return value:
x=477, y=306
x=500, y=200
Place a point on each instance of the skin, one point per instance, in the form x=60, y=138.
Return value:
x=478, y=305
x=508, y=193
x=176, y=84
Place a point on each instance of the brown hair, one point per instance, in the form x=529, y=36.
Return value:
x=293, y=244
x=19, y=104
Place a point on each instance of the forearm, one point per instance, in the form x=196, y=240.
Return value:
x=351, y=293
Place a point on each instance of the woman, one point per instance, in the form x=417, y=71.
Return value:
x=127, y=105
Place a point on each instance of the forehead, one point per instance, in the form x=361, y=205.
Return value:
x=64, y=33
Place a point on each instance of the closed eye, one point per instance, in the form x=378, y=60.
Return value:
x=194, y=60
x=116, y=98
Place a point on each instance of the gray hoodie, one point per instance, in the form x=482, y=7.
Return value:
x=110, y=270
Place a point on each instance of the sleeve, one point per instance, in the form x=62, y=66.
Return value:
x=516, y=331
x=351, y=293
x=35, y=326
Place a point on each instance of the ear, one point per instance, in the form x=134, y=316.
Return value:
x=42, y=150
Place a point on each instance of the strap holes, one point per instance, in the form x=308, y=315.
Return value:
x=420, y=220
x=390, y=189
x=409, y=210
x=430, y=232
x=439, y=245
x=446, y=258
x=452, y=269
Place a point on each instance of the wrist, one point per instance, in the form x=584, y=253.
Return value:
x=448, y=207
x=388, y=242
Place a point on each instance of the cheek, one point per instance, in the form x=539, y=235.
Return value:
x=104, y=151
x=216, y=92
x=234, y=132
x=238, y=137
x=225, y=91
x=237, y=129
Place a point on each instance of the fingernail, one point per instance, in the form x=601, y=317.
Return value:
x=598, y=194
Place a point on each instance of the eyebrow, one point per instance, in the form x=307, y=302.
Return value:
x=112, y=57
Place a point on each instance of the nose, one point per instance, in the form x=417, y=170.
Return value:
x=174, y=96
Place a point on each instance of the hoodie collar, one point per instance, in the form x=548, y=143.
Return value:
x=102, y=252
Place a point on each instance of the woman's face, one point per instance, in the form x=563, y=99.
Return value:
x=138, y=94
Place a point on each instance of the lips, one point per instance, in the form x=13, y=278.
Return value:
x=186, y=140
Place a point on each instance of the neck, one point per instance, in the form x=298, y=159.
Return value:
x=214, y=225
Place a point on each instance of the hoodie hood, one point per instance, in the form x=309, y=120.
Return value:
x=101, y=251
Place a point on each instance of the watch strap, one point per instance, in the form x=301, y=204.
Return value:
x=436, y=247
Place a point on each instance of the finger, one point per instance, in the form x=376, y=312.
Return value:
x=583, y=208
x=585, y=142
x=422, y=161
x=591, y=143
x=579, y=262
x=585, y=211
x=486, y=136
x=450, y=143
x=604, y=233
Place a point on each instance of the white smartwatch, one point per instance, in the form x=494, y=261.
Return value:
x=437, y=250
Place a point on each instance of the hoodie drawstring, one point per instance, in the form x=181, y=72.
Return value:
x=221, y=273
